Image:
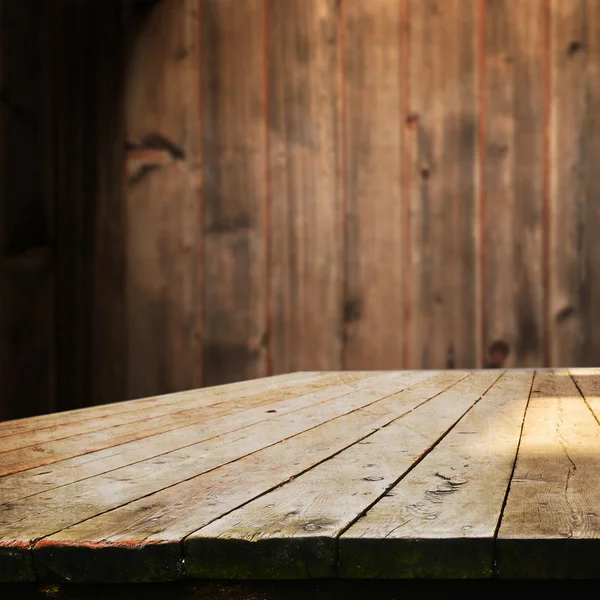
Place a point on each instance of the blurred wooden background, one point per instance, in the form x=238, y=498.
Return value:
x=195, y=192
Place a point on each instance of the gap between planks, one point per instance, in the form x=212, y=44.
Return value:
x=36, y=524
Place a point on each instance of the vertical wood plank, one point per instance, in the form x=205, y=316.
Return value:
x=574, y=300
x=372, y=129
x=233, y=143
x=442, y=149
x=513, y=179
x=163, y=208
x=27, y=280
x=305, y=249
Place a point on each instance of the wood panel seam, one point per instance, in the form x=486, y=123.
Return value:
x=357, y=441
x=546, y=178
x=495, y=537
x=267, y=198
x=413, y=466
x=405, y=170
x=481, y=175
x=102, y=512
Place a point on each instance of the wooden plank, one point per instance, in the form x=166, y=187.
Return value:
x=574, y=217
x=164, y=225
x=372, y=128
x=234, y=167
x=161, y=520
x=514, y=93
x=440, y=520
x=25, y=521
x=550, y=527
x=138, y=421
x=223, y=391
x=305, y=259
x=587, y=381
x=292, y=532
x=81, y=457
x=442, y=149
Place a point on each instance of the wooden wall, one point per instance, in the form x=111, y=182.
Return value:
x=279, y=185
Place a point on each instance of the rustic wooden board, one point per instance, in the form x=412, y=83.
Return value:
x=372, y=130
x=513, y=179
x=183, y=430
x=588, y=384
x=146, y=417
x=440, y=520
x=574, y=293
x=163, y=203
x=341, y=481
x=238, y=389
x=27, y=520
x=442, y=152
x=292, y=532
x=234, y=189
x=147, y=532
x=305, y=256
x=550, y=525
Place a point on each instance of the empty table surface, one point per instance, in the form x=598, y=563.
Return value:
x=348, y=475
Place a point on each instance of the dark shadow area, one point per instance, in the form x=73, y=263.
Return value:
x=294, y=590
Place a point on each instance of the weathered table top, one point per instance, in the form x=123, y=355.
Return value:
x=369, y=475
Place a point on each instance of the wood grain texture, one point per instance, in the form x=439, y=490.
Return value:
x=238, y=389
x=150, y=529
x=292, y=531
x=372, y=128
x=340, y=480
x=588, y=383
x=234, y=191
x=574, y=210
x=83, y=456
x=128, y=427
x=163, y=204
x=23, y=522
x=550, y=525
x=442, y=152
x=305, y=248
x=513, y=179
x=440, y=520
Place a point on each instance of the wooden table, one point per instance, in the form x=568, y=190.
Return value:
x=327, y=477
